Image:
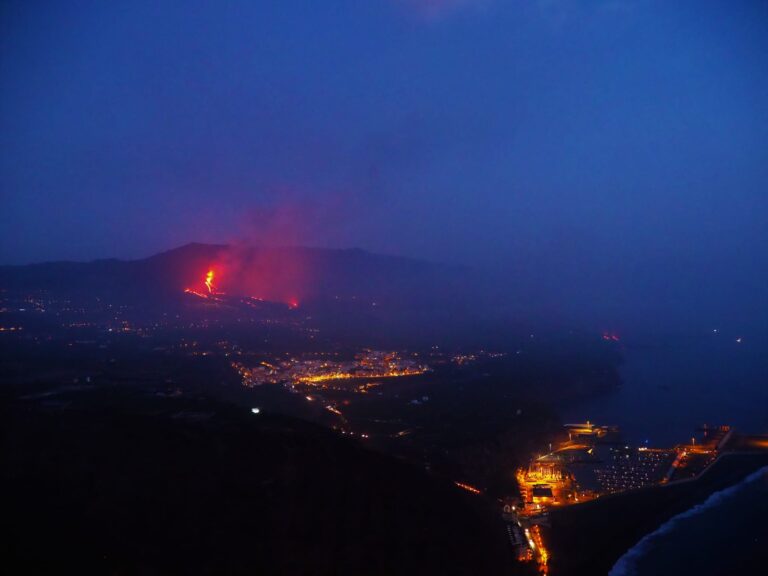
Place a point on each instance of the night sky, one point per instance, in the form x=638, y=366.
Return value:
x=618, y=148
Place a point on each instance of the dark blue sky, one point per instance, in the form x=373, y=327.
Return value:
x=557, y=137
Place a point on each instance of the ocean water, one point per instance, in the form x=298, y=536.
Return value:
x=672, y=386
x=727, y=535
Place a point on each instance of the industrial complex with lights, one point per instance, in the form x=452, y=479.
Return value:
x=593, y=462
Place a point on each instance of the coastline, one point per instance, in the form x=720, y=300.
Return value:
x=584, y=539
x=627, y=564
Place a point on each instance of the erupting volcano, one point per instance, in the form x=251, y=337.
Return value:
x=208, y=283
x=212, y=292
x=304, y=278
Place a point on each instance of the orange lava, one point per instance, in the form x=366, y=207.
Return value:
x=468, y=488
x=195, y=292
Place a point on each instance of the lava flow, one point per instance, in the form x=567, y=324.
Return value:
x=208, y=282
x=210, y=291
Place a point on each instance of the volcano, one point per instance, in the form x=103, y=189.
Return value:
x=351, y=291
x=294, y=276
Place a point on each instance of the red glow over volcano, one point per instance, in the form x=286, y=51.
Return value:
x=611, y=336
x=267, y=274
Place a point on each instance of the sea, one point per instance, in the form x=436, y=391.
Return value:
x=672, y=385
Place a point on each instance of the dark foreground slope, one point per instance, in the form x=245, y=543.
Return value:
x=119, y=483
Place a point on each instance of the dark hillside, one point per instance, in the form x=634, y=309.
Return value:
x=140, y=484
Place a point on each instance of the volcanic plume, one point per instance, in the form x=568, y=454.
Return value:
x=272, y=274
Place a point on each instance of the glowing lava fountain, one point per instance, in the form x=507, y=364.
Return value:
x=208, y=282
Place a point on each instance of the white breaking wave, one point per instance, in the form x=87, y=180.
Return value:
x=627, y=564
